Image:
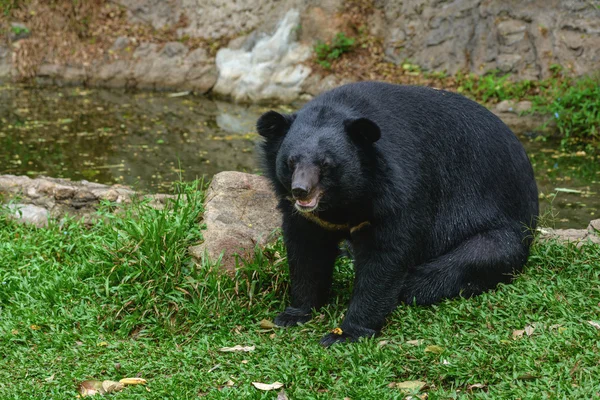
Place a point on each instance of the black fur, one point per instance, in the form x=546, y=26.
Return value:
x=434, y=192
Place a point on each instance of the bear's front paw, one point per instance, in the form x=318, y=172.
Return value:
x=292, y=317
x=347, y=335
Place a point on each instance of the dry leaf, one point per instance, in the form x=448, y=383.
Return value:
x=383, y=343
x=111, y=386
x=529, y=330
x=267, y=386
x=90, y=388
x=417, y=342
x=476, y=386
x=434, y=349
x=133, y=381
x=518, y=333
x=282, y=396
x=409, y=386
x=237, y=348
x=337, y=331
x=594, y=324
x=266, y=324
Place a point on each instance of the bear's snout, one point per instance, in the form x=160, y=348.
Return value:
x=304, y=181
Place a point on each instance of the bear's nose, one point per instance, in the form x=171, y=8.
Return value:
x=300, y=192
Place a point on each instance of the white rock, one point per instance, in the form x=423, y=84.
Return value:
x=270, y=70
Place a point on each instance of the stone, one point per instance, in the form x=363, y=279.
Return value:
x=120, y=43
x=506, y=106
x=523, y=106
x=59, y=197
x=594, y=227
x=271, y=70
x=30, y=214
x=5, y=61
x=240, y=213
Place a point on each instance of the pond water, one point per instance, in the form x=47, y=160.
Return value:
x=149, y=140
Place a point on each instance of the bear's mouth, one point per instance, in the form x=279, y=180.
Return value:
x=309, y=204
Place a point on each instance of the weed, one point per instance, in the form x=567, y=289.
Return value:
x=327, y=52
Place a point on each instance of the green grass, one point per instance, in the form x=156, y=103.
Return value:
x=572, y=103
x=121, y=298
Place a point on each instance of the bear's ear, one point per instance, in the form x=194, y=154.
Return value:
x=362, y=130
x=272, y=124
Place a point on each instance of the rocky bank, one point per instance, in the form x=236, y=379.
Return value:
x=268, y=43
x=240, y=211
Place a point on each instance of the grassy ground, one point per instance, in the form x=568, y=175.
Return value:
x=121, y=299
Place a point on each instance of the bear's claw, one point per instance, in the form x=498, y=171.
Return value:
x=292, y=317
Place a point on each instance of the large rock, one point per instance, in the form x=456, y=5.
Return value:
x=270, y=69
x=240, y=213
x=579, y=236
x=521, y=37
x=30, y=214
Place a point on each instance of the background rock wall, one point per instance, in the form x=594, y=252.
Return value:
x=524, y=37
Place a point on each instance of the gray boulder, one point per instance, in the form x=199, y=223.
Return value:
x=240, y=213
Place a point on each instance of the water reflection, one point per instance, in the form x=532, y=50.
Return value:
x=149, y=140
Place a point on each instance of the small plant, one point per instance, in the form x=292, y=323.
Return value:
x=577, y=110
x=18, y=30
x=327, y=52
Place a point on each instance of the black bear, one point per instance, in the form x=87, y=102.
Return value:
x=435, y=194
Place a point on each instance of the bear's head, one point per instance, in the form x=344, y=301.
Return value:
x=319, y=161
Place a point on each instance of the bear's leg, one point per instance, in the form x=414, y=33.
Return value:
x=311, y=253
x=476, y=265
x=376, y=292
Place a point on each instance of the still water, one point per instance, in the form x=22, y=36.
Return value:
x=149, y=140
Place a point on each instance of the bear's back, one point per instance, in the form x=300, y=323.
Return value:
x=444, y=148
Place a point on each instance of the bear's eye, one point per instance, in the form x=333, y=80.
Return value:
x=291, y=163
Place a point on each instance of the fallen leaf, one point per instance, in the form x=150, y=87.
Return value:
x=267, y=386
x=417, y=342
x=90, y=388
x=383, y=343
x=266, y=324
x=476, y=386
x=529, y=330
x=409, y=386
x=594, y=324
x=35, y=327
x=518, y=333
x=133, y=381
x=50, y=378
x=434, y=349
x=102, y=344
x=337, y=331
x=282, y=396
x=111, y=386
x=237, y=348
